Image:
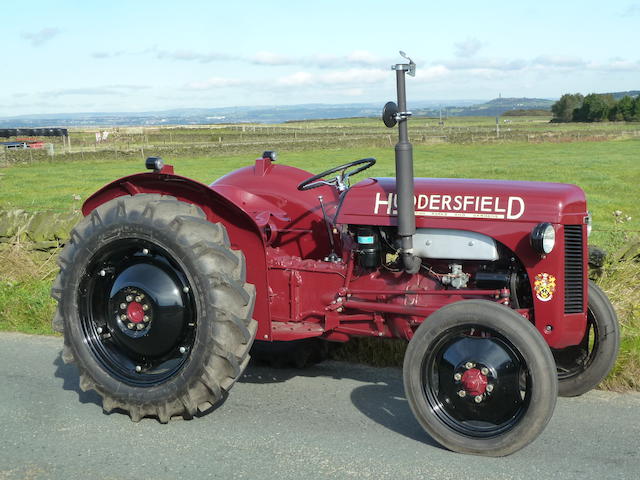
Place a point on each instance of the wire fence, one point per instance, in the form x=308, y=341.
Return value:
x=123, y=143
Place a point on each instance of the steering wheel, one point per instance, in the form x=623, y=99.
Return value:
x=339, y=181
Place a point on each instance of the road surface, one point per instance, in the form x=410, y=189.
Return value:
x=335, y=420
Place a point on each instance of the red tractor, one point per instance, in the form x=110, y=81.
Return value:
x=166, y=283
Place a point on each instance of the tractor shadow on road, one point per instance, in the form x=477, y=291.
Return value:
x=385, y=404
x=71, y=382
x=381, y=399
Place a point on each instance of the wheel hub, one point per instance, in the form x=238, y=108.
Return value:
x=135, y=309
x=474, y=382
x=135, y=312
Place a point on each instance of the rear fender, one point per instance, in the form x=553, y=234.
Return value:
x=244, y=233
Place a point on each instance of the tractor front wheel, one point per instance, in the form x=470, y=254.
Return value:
x=582, y=367
x=479, y=379
x=154, y=307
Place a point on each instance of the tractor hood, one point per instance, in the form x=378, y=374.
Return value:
x=373, y=201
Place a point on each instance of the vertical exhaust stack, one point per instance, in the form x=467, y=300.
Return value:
x=391, y=115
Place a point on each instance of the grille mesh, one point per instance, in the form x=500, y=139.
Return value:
x=573, y=269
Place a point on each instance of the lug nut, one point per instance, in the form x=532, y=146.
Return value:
x=140, y=326
x=484, y=370
x=145, y=251
x=123, y=306
x=469, y=365
x=182, y=349
x=489, y=388
x=462, y=393
x=138, y=368
x=102, y=273
x=185, y=289
x=131, y=326
x=99, y=330
x=478, y=399
x=138, y=298
x=145, y=318
x=457, y=377
x=123, y=317
x=145, y=307
x=129, y=298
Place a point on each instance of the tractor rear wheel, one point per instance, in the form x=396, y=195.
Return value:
x=479, y=379
x=154, y=307
x=582, y=367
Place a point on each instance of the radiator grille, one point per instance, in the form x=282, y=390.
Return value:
x=573, y=269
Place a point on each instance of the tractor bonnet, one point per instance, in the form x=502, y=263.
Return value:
x=374, y=201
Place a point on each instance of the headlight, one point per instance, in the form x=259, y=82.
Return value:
x=154, y=163
x=543, y=238
x=589, y=223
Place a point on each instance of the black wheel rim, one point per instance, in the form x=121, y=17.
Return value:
x=137, y=311
x=490, y=371
x=574, y=360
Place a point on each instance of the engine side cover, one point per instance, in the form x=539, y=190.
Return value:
x=451, y=244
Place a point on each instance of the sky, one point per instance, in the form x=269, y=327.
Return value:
x=128, y=56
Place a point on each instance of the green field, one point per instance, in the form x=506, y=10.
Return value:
x=608, y=171
x=602, y=159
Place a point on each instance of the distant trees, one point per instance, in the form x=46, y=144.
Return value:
x=563, y=109
x=595, y=108
x=626, y=109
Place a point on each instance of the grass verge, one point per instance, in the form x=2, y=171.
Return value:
x=25, y=283
x=25, y=306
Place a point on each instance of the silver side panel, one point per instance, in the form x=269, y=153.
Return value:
x=453, y=244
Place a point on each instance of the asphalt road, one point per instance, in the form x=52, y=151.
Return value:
x=333, y=421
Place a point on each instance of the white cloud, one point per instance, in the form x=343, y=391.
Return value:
x=353, y=76
x=632, y=10
x=483, y=64
x=190, y=55
x=559, y=61
x=104, y=54
x=363, y=57
x=114, y=89
x=41, y=36
x=431, y=73
x=618, y=65
x=297, y=79
x=468, y=47
x=353, y=92
x=215, y=82
x=270, y=58
x=356, y=76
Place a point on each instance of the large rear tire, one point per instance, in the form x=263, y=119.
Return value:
x=582, y=367
x=479, y=379
x=154, y=307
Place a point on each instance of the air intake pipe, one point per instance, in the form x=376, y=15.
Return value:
x=391, y=115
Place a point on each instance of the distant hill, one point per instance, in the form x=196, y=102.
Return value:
x=208, y=116
x=492, y=108
x=619, y=95
x=284, y=113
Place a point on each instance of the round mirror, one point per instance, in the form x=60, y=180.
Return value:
x=389, y=114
